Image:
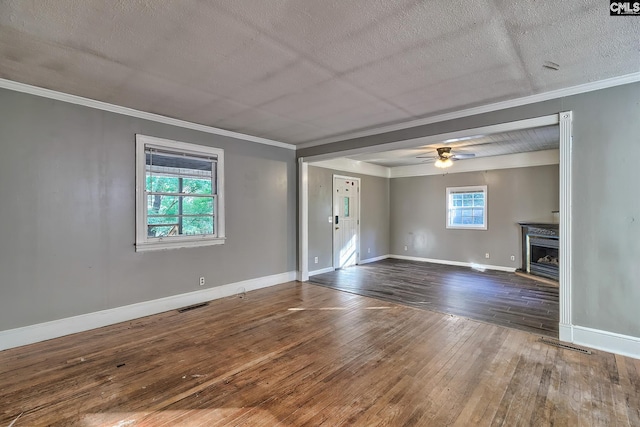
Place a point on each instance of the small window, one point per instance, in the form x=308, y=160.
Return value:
x=346, y=206
x=179, y=194
x=467, y=207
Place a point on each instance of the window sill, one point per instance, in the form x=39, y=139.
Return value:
x=168, y=244
x=453, y=227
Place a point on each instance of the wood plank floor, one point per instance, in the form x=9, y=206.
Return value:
x=497, y=297
x=303, y=355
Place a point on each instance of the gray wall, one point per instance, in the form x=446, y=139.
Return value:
x=418, y=214
x=374, y=216
x=605, y=202
x=67, y=210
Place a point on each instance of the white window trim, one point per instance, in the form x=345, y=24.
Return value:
x=142, y=242
x=471, y=188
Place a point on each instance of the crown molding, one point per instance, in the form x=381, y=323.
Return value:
x=112, y=108
x=503, y=105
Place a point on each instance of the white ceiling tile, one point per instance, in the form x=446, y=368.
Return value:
x=574, y=36
x=306, y=70
x=294, y=77
x=306, y=25
x=321, y=100
x=248, y=120
x=419, y=27
x=217, y=110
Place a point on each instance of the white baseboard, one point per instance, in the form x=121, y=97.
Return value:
x=84, y=322
x=456, y=263
x=374, y=259
x=607, y=341
x=321, y=271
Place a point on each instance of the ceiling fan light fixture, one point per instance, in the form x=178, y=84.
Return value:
x=443, y=163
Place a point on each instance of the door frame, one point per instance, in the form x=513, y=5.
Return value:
x=333, y=230
x=565, y=121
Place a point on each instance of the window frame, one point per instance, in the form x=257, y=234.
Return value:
x=449, y=209
x=145, y=243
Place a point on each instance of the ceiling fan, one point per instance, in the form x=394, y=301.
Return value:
x=445, y=158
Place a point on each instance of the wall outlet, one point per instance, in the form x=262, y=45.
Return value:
x=368, y=250
x=315, y=260
x=486, y=255
x=405, y=248
x=202, y=281
x=513, y=257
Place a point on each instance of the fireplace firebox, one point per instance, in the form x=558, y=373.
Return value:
x=540, y=249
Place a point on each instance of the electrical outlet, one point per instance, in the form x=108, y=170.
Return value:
x=486, y=255
x=202, y=281
x=315, y=260
x=513, y=257
x=405, y=248
x=368, y=250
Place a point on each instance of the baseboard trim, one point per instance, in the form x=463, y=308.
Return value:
x=84, y=322
x=456, y=263
x=565, y=333
x=612, y=342
x=374, y=259
x=321, y=271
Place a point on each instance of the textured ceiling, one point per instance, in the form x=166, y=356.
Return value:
x=522, y=141
x=298, y=71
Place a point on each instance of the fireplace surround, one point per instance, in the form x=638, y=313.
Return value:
x=540, y=249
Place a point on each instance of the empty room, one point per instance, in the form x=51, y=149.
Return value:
x=319, y=213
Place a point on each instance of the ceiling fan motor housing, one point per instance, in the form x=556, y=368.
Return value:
x=444, y=152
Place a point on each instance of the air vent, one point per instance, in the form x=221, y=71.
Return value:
x=565, y=346
x=192, y=307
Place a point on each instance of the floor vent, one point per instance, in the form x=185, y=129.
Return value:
x=192, y=307
x=565, y=346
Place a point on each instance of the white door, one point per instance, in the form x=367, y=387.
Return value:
x=346, y=218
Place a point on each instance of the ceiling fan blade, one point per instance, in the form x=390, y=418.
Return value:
x=463, y=156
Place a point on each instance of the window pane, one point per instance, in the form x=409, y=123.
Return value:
x=478, y=220
x=457, y=202
x=162, y=205
x=164, y=220
x=196, y=186
x=456, y=220
x=467, y=201
x=162, y=184
x=162, y=231
x=197, y=205
x=346, y=206
x=197, y=225
x=478, y=213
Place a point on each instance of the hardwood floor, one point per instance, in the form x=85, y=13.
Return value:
x=303, y=355
x=496, y=297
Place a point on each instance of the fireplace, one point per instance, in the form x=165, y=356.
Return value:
x=540, y=249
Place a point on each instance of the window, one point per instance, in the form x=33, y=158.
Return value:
x=467, y=207
x=179, y=194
